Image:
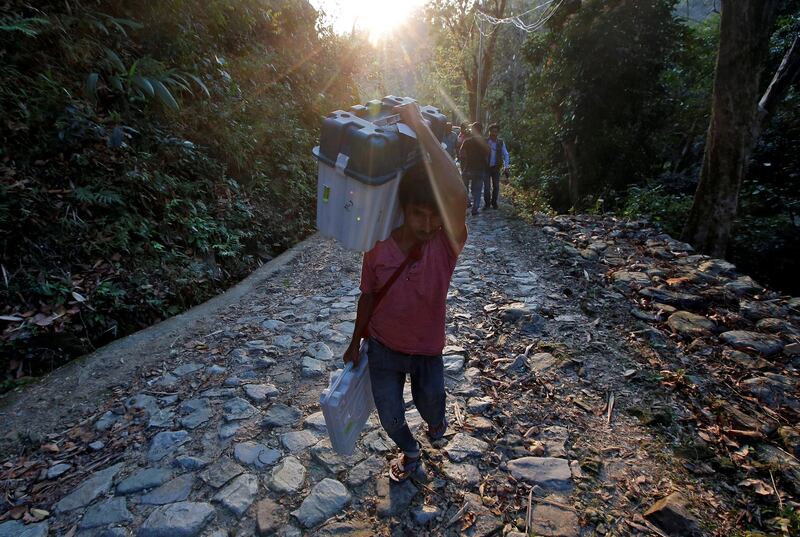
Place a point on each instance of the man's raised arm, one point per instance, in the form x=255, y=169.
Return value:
x=447, y=184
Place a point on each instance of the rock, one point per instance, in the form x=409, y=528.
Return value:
x=143, y=479
x=227, y=430
x=485, y=523
x=106, y=421
x=327, y=498
x=167, y=380
x=324, y=453
x=465, y=475
x=15, y=528
x=365, y=470
x=269, y=517
x=672, y=517
x=674, y=298
x=480, y=424
x=781, y=461
x=776, y=326
x=215, y=369
x=58, y=470
x=549, y=520
x=742, y=286
x=426, y=514
x=690, y=324
x=320, y=351
x=316, y=421
x=453, y=364
x=142, y=401
x=744, y=340
x=260, y=392
x=771, y=388
x=191, y=463
x=755, y=310
x=255, y=454
x=717, y=267
x=165, y=443
x=280, y=415
x=296, y=441
x=98, y=484
x=182, y=519
x=273, y=324
x=239, y=494
x=312, y=368
x=394, y=498
x=175, y=490
x=463, y=446
x=97, y=445
x=216, y=393
x=161, y=419
x=185, y=369
x=221, y=472
x=478, y=405
x=237, y=409
x=348, y=528
x=542, y=361
x=791, y=439
x=630, y=280
x=288, y=476
x=548, y=472
x=554, y=439
x=284, y=341
x=198, y=412
x=113, y=511
x=378, y=441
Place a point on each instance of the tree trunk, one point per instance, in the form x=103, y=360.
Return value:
x=571, y=156
x=745, y=30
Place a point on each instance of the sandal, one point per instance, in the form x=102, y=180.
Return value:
x=437, y=433
x=403, y=467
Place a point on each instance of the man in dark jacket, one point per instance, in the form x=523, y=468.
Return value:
x=475, y=163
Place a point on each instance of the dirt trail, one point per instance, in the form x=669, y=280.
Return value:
x=571, y=412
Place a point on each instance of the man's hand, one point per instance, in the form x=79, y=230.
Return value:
x=411, y=115
x=353, y=353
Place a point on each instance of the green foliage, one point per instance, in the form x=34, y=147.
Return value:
x=666, y=210
x=151, y=154
x=599, y=77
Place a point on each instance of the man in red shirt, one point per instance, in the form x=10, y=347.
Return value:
x=406, y=322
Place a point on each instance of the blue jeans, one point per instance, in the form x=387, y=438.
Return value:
x=387, y=372
x=477, y=179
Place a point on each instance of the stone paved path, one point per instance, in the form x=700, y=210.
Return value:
x=225, y=437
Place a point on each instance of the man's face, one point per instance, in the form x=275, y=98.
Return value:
x=493, y=133
x=423, y=221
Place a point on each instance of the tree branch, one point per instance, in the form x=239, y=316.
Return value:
x=783, y=79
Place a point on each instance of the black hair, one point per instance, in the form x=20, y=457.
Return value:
x=494, y=126
x=478, y=126
x=416, y=189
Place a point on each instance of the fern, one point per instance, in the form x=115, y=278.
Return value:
x=30, y=27
x=99, y=198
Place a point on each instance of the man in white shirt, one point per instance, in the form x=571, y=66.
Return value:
x=498, y=162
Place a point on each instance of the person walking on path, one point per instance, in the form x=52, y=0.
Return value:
x=463, y=134
x=404, y=282
x=498, y=162
x=475, y=167
x=450, y=140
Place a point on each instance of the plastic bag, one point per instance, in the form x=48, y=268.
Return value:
x=347, y=403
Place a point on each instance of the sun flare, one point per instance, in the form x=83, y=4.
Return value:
x=378, y=18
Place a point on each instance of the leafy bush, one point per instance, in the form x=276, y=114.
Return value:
x=151, y=154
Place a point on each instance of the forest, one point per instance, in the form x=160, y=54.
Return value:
x=152, y=154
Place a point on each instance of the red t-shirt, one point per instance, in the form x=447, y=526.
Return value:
x=411, y=317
